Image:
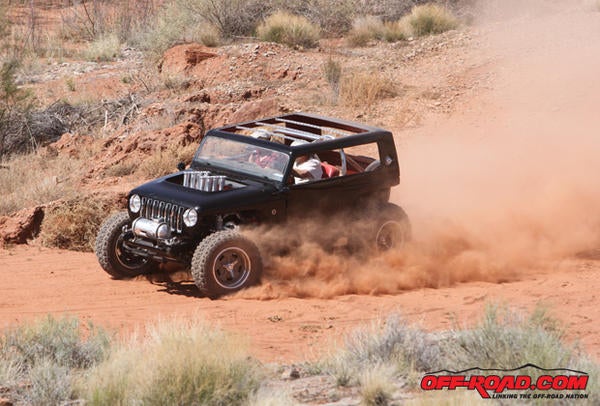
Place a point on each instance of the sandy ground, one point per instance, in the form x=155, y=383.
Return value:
x=504, y=199
x=284, y=330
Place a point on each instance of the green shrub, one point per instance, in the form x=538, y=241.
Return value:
x=393, y=343
x=289, y=29
x=40, y=361
x=168, y=27
x=429, y=19
x=179, y=363
x=505, y=339
x=50, y=384
x=57, y=340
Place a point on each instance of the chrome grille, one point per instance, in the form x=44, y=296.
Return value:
x=171, y=214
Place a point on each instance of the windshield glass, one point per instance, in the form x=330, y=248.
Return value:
x=241, y=157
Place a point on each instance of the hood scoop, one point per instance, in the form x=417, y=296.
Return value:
x=204, y=181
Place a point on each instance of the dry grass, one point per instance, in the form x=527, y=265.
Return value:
x=365, y=29
x=180, y=362
x=364, y=89
x=429, y=19
x=289, y=29
x=377, y=386
x=105, y=48
x=74, y=224
x=207, y=34
x=332, y=69
x=121, y=168
x=334, y=17
x=34, y=179
x=265, y=396
x=593, y=5
x=88, y=21
x=165, y=162
x=395, y=31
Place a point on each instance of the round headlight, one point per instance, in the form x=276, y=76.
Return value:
x=190, y=217
x=135, y=204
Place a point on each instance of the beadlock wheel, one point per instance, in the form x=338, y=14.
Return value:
x=112, y=256
x=225, y=262
x=393, y=228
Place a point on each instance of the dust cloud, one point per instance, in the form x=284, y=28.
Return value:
x=506, y=186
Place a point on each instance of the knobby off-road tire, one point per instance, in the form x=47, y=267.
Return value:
x=392, y=230
x=225, y=262
x=109, y=250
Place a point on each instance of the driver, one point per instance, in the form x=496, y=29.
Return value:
x=263, y=157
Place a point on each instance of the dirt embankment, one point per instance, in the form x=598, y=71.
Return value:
x=503, y=195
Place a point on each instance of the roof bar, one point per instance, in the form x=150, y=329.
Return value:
x=287, y=137
x=329, y=129
x=276, y=133
x=290, y=131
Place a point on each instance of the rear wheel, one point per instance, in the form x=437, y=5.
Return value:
x=112, y=256
x=392, y=229
x=225, y=262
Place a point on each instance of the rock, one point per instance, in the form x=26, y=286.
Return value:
x=181, y=58
x=256, y=109
x=291, y=374
x=21, y=226
x=70, y=144
x=5, y=402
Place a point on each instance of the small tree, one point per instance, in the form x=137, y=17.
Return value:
x=15, y=104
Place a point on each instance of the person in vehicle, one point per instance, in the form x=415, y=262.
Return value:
x=306, y=167
x=263, y=157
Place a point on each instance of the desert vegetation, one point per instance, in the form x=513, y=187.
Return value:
x=288, y=29
x=100, y=31
x=176, y=361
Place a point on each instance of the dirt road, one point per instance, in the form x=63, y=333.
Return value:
x=42, y=281
x=503, y=195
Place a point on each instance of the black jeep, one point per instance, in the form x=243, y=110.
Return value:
x=251, y=174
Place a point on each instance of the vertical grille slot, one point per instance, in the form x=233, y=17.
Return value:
x=162, y=211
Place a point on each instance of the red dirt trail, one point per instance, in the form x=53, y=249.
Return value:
x=43, y=281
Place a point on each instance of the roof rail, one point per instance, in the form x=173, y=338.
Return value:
x=298, y=126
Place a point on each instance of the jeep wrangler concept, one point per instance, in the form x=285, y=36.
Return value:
x=249, y=174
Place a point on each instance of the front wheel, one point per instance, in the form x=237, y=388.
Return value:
x=112, y=256
x=225, y=262
x=392, y=228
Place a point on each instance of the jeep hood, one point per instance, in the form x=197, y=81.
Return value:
x=244, y=195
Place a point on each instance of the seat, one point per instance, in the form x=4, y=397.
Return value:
x=329, y=171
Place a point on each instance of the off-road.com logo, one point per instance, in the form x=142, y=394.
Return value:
x=560, y=379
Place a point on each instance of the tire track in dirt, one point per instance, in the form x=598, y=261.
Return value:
x=39, y=281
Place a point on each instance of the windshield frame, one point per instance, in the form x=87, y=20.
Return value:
x=245, y=168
